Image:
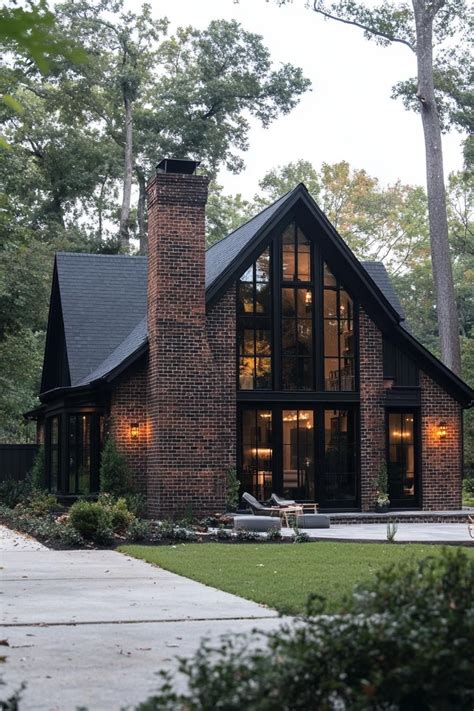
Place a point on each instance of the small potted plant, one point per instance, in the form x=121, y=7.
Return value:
x=382, y=502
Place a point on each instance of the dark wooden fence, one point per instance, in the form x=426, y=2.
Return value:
x=16, y=460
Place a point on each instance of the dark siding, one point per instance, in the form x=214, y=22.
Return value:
x=55, y=368
x=399, y=366
x=16, y=460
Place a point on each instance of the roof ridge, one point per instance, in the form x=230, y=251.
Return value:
x=98, y=254
x=252, y=218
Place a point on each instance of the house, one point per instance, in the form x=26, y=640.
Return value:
x=275, y=351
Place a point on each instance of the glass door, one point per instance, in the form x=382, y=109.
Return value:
x=401, y=459
x=298, y=454
x=257, y=453
x=337, y=479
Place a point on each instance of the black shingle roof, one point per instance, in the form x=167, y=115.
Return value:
x=103, y=297
x=379, y=274
x=221, y=254
x=103, y=300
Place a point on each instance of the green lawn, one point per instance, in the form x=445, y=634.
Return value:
x=281, y=576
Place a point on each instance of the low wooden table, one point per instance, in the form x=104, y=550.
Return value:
x=290, y=511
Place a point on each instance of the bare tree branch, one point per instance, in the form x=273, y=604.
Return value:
x=365, y=28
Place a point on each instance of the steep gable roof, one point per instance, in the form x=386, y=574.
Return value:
x=221, y=255
x=103, y=297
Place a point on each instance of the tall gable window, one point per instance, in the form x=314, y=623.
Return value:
x=254, y=325
x=296, y=310
x=338, y=316
x=295, y=321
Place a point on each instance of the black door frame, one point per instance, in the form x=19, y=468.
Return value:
x=318, y=409
x=413, y=503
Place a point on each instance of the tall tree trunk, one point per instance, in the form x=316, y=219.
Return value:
x=100, y=206
x=127, y=177
x=440, y=258
x=141, y=209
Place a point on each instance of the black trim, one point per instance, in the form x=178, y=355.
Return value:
x=417, y=443
x=356, y=280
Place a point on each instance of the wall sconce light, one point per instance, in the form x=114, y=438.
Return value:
x=134, y=426
x=442, y=430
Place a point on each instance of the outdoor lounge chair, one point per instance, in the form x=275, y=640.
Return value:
x=259, y=509
x=284, y=503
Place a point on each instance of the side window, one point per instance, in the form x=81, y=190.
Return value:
x=254, y=324
x=338, y=318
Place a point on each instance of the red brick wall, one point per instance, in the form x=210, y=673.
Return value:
x=188, y=408
x=441, y=458
x=129, y=405
x=372, y=410
x=221, y=332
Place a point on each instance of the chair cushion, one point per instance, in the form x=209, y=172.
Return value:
x=311, y=520
x=256, y=523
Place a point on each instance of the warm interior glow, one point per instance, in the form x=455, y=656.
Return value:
x=134, y=427
x=442, y=430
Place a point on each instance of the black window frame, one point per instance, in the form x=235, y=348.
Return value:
x=255, y=321
x=318, y=408
x=338, y=288
x=414, y=501
x=317, y=261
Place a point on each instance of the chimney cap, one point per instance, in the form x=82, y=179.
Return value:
x=184, y=166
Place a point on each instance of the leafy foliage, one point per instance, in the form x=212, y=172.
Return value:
x=406, y=641
x=38, y=473
x=232, y=489
x=115, y=475
x=92, y=521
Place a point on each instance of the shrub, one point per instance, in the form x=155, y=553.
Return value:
x=136, y=504
x=173, y=532
x=406, y=641
x=38, y=503
x=68, y=535
x=92, y=520
x=468, y=485
x=300, y=536
x=36, y=475
x=273, y=534
x=223, y=534
x=120, y=515
x=243, y=535
x=115, y=475
x=13, y=492
x=232, y=489
x=138, y=530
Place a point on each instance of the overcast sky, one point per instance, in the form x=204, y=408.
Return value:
x=348, y=115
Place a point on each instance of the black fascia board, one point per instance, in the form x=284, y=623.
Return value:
x=364, y=288
x=251, y=250
x=55, y=303
x=126, y=363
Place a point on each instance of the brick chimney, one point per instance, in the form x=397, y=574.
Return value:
x=183, y=473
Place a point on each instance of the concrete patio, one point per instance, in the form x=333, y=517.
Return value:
x=406, y=532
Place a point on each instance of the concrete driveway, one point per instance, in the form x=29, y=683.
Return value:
x=93, y=628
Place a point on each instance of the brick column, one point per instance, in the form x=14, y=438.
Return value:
x=441, y=468
x=372, y=411
x=186, y=469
